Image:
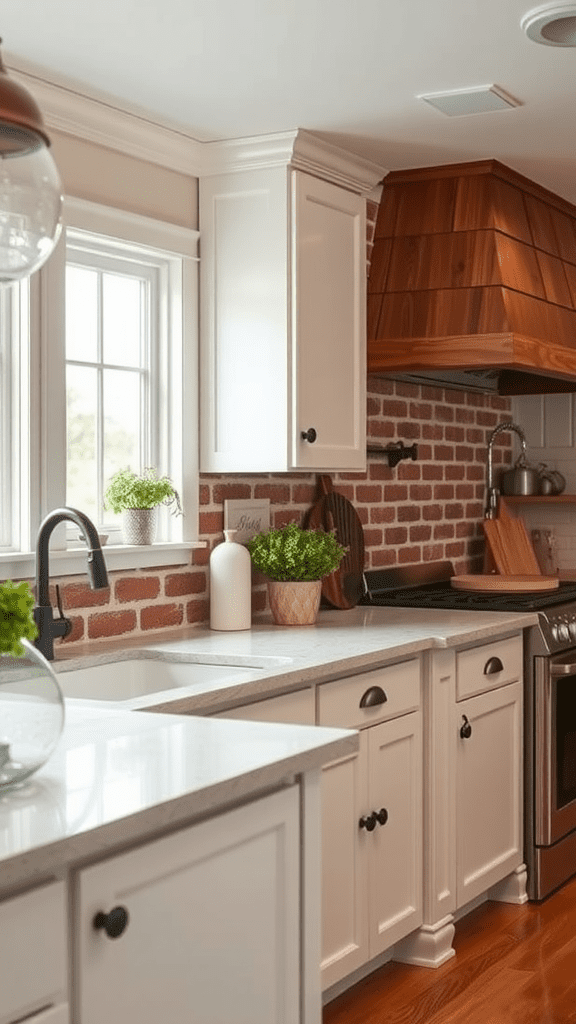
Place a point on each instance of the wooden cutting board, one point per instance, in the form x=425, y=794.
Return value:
x=344, y=587
x=494, y=583
x=510, y=545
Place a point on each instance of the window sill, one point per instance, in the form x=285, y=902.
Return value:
x=22, y=565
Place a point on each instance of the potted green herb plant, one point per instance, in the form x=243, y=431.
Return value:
x=138, y=498
x=295, y=562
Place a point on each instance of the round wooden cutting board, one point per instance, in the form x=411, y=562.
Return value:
x=505, y=584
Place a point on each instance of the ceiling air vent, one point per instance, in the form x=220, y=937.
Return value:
x=484, y=99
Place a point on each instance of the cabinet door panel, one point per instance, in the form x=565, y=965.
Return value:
x=395, y=867
x=344, y=879
x=328, y=325
x=489, y=790
x=213, y=932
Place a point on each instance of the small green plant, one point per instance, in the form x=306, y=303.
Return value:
x=128, y=490
x=292, y=553
x=16, y=618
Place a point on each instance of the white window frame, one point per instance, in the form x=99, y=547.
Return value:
x=47, y=390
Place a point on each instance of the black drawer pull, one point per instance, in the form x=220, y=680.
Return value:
x=368, y=822
x=466, y=729
x=113, y=923
x=381, y=816
x=493, y=666
x=374, y=695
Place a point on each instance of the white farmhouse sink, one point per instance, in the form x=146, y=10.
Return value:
x=141, y=677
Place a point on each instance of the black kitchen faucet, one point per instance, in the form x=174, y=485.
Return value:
x=48, y=626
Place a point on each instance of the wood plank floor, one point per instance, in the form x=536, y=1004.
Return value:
x=513, y=965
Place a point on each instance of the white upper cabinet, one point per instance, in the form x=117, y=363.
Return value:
x=283, y=315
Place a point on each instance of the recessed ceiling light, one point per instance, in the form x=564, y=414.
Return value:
x=459, y=102
x=553, y=25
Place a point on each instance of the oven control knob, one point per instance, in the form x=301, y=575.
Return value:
x=563, y=631
x=572, y=630
x=555, y=632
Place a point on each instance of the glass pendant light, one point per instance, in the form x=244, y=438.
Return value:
x=30, y=188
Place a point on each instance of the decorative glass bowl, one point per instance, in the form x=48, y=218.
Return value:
x=31, y=714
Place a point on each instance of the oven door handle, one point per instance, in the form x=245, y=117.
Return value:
x=562, y=668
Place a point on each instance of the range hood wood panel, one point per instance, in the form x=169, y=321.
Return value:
x=474, y=267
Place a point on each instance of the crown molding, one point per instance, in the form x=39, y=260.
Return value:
x=71, y=109
x=300, y=149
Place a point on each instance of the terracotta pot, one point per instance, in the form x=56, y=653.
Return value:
x=294, y=603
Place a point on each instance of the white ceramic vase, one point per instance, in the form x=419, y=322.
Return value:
x=230, y=585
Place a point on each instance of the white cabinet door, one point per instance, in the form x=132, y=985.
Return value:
x=395, y=845
x=34, y=954
x=283, y=325
x=328, y=325
x=488, y=731
x=213, y=924
x=344, y=866
x=372, y=876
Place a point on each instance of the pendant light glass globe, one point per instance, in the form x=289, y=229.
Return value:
x=30, y=188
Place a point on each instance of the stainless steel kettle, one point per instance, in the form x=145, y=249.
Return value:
x=521, y=479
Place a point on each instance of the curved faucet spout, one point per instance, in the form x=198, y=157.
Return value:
x=492, y=491
x=48, y=627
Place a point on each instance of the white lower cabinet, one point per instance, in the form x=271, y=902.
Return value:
x=33, y=956
x=488, y=789
x=209, y=922
x=371, y=847
x=371, y=819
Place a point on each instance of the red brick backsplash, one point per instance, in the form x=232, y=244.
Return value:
x=421, y=511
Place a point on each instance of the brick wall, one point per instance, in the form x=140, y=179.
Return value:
x=419, y=511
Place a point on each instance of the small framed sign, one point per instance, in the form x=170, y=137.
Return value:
x=248, y=516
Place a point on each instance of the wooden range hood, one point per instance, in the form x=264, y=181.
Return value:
x=473, y=281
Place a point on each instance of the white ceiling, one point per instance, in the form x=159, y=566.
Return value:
x=350, y=70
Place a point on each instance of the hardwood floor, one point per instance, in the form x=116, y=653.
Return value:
x=513, y=965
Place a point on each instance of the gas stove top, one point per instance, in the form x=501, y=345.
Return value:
x=428, y=586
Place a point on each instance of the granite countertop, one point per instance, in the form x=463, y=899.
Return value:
x=279, y=659
x=117, y=777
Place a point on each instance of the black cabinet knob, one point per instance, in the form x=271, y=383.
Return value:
x=373, y=696
x=113, y=923
x=381, y=816
x=309, y=435
x=466, y=729
x=368, y=822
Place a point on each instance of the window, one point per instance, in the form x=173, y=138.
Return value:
x=109, y=334
x=14, y=409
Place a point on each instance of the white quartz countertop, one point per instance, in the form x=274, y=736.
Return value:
x=279, y=658
x=117, y=777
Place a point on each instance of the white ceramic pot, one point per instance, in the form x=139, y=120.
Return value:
x=139, y=525
x=294, y=603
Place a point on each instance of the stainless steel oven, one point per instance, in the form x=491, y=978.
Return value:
x=550, y=752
